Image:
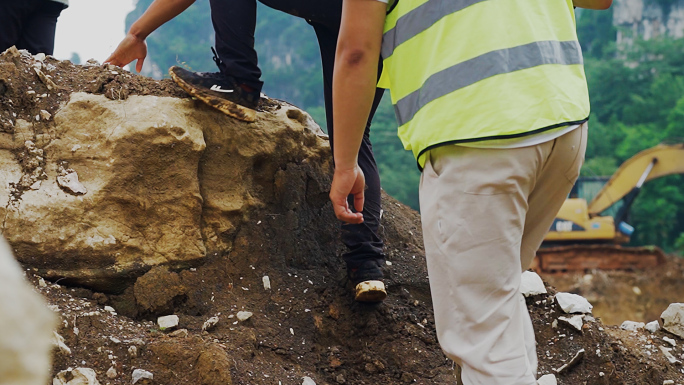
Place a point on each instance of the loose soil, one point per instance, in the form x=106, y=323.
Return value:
x=307, y=323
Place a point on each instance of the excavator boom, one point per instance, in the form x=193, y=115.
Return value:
x=665, y=160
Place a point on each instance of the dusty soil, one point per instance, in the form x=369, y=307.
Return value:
x=307, y=324
x=618, y=296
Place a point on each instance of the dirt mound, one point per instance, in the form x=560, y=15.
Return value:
x=306, y=324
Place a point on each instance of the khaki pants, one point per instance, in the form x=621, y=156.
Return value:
x=485, y=213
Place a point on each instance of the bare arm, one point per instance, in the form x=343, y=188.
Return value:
x=592, y=4
x=133, y=46
x=354, y=81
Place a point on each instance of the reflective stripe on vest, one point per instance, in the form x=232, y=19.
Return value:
x=464, y=70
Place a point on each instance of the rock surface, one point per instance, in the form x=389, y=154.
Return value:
x=648, y=19
x=110, y=188
x=673, y=319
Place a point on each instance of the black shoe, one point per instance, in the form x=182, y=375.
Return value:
x=219, y=91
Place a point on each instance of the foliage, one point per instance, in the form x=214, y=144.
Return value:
x=637, y=101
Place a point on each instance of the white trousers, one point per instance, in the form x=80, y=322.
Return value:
x=485, y=213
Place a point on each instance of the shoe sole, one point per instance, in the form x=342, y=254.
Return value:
x=370, y=291
x=229, y=108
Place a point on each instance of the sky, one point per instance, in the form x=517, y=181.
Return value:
x=91, y=28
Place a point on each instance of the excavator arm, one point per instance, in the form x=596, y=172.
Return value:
x=656, y=162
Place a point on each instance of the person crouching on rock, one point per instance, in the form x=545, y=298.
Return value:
x=236, y=89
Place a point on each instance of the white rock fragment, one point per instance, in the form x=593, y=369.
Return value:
x=573, y=303
x=244, y=315
x=575, y=321
x=632, y=326
x=111, y=373
x=308, y=381
x=531, y=284
x=210, y=323
x=58, y=342
x=45, y=115
x=653, y=326
x=75, y=148
x=139, y=374
x=68, y=180
x=267, y=282
x=636, y=290
x=673, y=319
x=668, y=382
x=167, y=322
x=669, y=356
x=574, y=361
x=670, y=341
x=547, y=379
x=78, y=376
x=110, y=309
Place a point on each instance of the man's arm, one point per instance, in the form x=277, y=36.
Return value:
x=592, y=4
x=133, y=46
x=354, y=81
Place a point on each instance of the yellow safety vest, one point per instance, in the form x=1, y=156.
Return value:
x=470, y=70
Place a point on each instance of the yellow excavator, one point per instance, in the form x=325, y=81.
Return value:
x=584, y=236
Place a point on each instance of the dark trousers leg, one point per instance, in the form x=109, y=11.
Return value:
x=234, y=23
x=29, y=25
x=364, y=255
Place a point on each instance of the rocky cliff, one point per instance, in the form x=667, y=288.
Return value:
x=648, y=18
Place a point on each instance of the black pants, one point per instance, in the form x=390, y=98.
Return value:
x=234, y=23
x=29, y=25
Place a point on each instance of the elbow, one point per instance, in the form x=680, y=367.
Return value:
x=352, y=56
x=605, y=4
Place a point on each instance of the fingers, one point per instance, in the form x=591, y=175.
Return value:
x=345, y=183
x=139, y=64
x=343, y=213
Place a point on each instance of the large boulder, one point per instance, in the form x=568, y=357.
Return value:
x=97, y=188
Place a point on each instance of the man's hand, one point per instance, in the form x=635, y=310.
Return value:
x=131, y=48
x=592, y=4
x=345, y=182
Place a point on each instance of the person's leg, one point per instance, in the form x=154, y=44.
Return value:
x=12, y=15
x=38, y=32
x=234, y=23
x=473, y=207
x=364, y=257
x=553, y=186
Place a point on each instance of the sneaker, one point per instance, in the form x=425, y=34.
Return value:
x=218, y=91
x=370, y=291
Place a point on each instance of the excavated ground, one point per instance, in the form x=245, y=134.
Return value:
x=307, y=324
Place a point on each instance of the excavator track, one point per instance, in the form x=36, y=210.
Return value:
x=574, y=258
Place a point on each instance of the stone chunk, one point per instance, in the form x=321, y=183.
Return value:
x=78, y=376
x=531, y=284
x=167, y=322
x=575, y=321
x=547, y=379
x=653, y=326
x=140, y=374
x=632, y=326
x=573, y=303
x=673, y=319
